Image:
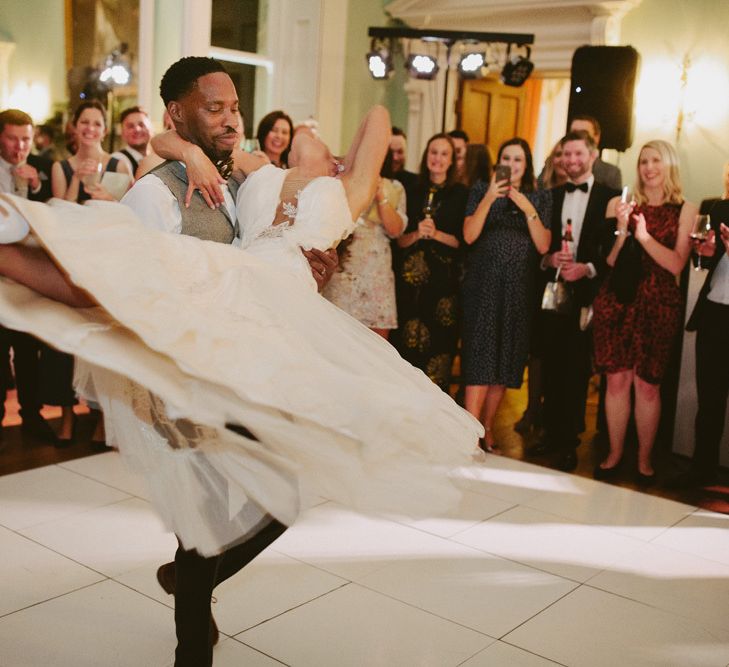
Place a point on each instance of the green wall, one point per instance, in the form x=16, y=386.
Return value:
x=361, y=91
x=664, y=31
x=37, y=28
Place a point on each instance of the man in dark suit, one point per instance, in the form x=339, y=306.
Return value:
x=28, y=176
x=710, y=321
x=604, y=172
x=579, y=205
x=398, y=148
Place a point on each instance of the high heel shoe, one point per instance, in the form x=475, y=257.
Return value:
x=492, y=448
x=606, y=474
x=645, y=480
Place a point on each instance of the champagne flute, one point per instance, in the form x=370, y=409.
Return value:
x=700, y=232
x=91, y=180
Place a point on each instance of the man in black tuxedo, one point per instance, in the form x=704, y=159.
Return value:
x=581, y=204
x=710, y=321
x=25, y=175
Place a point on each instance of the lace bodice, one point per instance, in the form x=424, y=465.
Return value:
x=316, y=216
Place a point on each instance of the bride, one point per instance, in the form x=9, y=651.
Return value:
x=224, y=377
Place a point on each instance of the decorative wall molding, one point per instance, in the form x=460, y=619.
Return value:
x=559, y=26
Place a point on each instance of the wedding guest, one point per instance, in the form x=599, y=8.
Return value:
x=552, y=176
x=27, y=176
x=460, y=141
x=507, y=225
x=364, y=285
x=478, y=165
x=638, y=310
x=710, y=320
x=553, y=173
x=429, y=266
x=577, y=252
x=605, y=173
x=78, y=179
x=44, y=141
x=136, y=131
x=398, y=148
x=275, y=133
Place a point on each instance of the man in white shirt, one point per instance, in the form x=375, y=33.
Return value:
x=203, y=105
x=580, y=203
x=24, y=175
x=136, y=131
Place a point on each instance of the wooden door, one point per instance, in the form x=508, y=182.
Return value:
x=490, y=112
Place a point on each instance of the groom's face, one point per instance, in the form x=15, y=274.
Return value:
x=209, y=116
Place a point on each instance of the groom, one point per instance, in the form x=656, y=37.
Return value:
x=201, y=100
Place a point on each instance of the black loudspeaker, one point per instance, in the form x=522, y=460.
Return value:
x=602, y=86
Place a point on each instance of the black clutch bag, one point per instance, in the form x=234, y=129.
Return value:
x=628, y=271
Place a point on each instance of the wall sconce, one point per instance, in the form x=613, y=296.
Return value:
x=33, y=98
x=676, y=96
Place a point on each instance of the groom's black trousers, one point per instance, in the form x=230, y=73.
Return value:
x=196, y=577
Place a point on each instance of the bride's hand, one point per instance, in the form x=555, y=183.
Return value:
x=323, y=264
x=203, y=176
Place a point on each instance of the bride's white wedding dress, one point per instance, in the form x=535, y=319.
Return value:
x=194, y=335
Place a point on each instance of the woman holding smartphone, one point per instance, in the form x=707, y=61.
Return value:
x=506, y=226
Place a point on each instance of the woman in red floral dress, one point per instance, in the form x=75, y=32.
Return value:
x=633, y=338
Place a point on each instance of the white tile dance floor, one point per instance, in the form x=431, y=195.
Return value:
x=536, y=568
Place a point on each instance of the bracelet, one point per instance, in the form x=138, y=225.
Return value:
x=533, y=216
x=621, y=232
x=382, y=201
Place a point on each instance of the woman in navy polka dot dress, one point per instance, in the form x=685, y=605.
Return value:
x=507, y=228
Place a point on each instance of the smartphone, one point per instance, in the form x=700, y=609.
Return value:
x=624, y=195
x=502, y=173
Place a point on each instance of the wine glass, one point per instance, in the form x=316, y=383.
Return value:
x=700, y=232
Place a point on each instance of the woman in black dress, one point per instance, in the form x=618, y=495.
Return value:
x=429, y=268
x=507, y=227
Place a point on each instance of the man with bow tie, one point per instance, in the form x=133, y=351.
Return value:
x=27, y=176
x=579, y=204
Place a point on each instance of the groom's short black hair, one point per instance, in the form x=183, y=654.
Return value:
x=182, y=76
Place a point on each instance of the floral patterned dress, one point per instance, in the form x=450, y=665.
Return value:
x=640, y=335
x=365, y=286
x=427, y=279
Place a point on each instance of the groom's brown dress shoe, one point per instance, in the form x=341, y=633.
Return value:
x=166, y=578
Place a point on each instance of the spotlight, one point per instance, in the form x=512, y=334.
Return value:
x=517, y=68
x=422, y=67
x=471, y=65
x=379, y=63
x=116, y=70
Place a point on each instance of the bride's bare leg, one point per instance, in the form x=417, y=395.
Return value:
x=34, y=268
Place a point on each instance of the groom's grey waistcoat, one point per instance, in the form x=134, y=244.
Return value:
x=199, y=220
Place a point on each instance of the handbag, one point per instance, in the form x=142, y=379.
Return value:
x=628, y=271
x=556, y=296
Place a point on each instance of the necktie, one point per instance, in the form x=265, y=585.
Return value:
x=571, y=187
x=225, y=167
